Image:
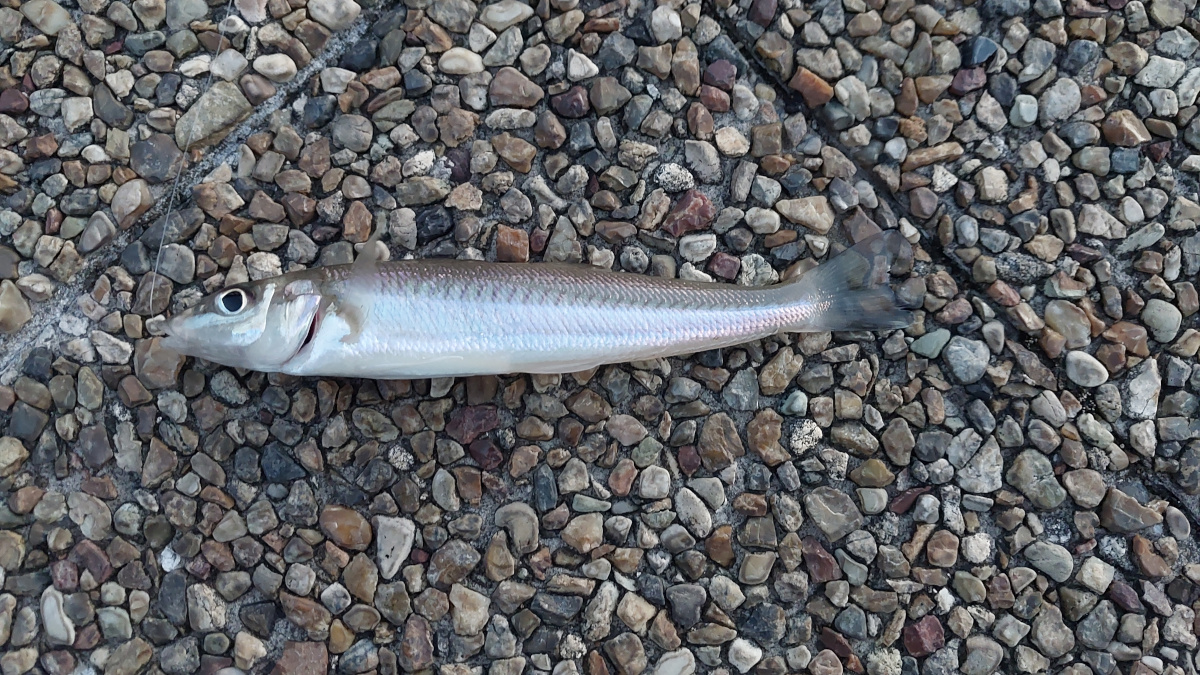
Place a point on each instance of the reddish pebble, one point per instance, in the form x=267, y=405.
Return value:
x=700, y=121
x=13, y=101
x=302, y=658
x=620, y=479
x=821, y=565
x=714, y=99
x=572, y=103
x=905, y=500
x=724, y=265
x=87, y=637
x=834, y=642
x=721, y=73
x=64, y=575
x=1158, y=151
x=538, y=239
x=486, y=454
x=89, y=556
x=467, y=424
x=689, y=460
x=694, y=211
x=56, y=663
x=512, y=244
x=924, y=637
x=1125, y=597
x=967, y=80
x=1092, y=94
x=762, y=12
x=816, y=91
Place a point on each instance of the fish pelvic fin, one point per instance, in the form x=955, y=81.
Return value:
x=850, y=291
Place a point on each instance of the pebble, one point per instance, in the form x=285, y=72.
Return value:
x=967, y=359
x=1052, y=559
x=744, y=654
x=394, y=542
x=346, y=527
x=815, y=213
x=47, y=16
x=505, y=14
x=832, y=511
x=210, y=118
x=1162, y=319
x=14, y=309
x=275, y=67
x=1059, y=101
x=336, y=15
x=1083, y=369
x=460, y=61
x=1033, y=475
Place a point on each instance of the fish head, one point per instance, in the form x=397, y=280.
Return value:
x=258, y=325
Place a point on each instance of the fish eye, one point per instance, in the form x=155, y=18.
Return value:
x=232, y=301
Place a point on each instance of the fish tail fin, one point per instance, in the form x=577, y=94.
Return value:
x=850, y=291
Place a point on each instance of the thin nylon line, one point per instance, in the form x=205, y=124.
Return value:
x=162, y=237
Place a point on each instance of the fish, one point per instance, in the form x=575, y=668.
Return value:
x=409, y=319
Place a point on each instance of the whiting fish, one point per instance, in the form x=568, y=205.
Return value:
x=437, y=318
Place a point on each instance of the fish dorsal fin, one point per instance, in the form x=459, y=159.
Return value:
x=368, y=259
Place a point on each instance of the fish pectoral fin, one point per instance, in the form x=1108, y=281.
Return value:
x=354, y=316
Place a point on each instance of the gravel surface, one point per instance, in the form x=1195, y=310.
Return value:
x=1009, y=485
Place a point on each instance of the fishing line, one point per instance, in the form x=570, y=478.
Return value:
x=191, y=132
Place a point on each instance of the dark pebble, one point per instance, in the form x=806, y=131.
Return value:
x=416, y=83
x=360, y=56
x=1125, y=160
x=1081, y=56
x=723, y=48
x=167, y=88
x=433, y=223
x=278, y=466
x=1004, y=88
x=976, y=51
x=140, y=43
x=616, y=51
x=319, y=111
